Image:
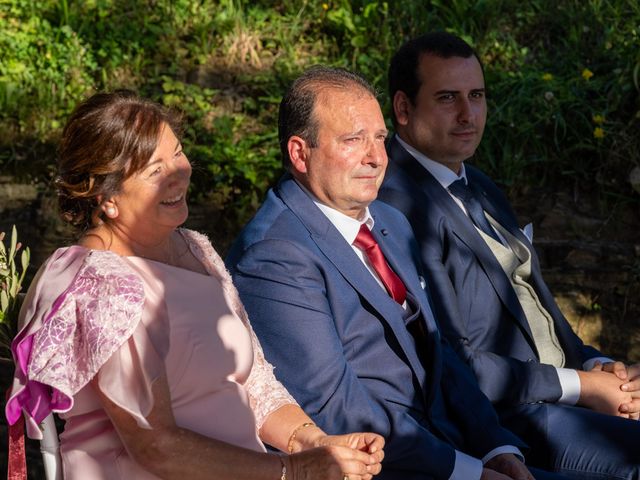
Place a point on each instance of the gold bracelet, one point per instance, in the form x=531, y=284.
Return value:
x=283, y=476
x=295, y=432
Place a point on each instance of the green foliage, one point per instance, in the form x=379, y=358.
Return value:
x=566, y=104
x=11, y=278
x=44, y=69
x=226, y=63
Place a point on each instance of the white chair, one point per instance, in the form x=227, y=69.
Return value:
x=50, y=449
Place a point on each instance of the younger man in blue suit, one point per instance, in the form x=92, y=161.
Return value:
x=340, y=322
x=487, y=289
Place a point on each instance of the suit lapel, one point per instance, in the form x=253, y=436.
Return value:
x=565, y=335
x=434, y=194
x=341, y=255
x=392, y=248
x=497, y=212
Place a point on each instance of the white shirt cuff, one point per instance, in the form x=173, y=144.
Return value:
x=588, y=365
x=470, y=468
x=500, y=450
x=466, y=467
x=570, y=385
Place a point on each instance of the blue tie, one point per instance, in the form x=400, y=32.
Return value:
x=460, y=189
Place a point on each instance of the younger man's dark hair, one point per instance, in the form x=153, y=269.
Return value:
x=403, y=69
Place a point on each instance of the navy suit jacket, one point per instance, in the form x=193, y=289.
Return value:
x=340, y=345
x=474, y=301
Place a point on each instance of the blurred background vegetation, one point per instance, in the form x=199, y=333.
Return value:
x=562, y=77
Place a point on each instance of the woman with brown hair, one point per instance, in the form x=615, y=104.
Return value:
x=136, y=336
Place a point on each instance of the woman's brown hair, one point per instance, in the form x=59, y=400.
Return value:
x=108, y=138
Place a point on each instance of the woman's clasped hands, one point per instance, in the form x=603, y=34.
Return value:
x=353, y=456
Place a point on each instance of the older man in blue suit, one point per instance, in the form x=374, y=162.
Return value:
x=330, y=280
x=562, y=397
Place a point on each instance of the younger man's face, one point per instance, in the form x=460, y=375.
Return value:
x=448, y=118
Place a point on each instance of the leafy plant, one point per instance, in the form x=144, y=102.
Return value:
x=11, y=278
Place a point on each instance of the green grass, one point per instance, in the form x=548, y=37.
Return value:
x=226, y=64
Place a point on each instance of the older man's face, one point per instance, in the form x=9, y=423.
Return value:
x=346, y=167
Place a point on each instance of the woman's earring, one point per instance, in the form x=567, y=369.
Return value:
x=111, y=212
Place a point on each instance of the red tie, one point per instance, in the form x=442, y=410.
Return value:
x=365, y=242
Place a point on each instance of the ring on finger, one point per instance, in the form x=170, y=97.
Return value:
x=345, y=477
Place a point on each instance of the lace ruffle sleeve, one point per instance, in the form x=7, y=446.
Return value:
x=266, y=393
x=94, y=326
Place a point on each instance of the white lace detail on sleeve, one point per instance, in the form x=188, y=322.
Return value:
x=266, y=393
x=97, y=314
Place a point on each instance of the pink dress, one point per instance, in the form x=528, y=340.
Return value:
x=125, y=321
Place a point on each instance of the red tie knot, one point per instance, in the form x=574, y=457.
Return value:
x=364, y=240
